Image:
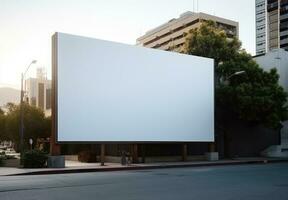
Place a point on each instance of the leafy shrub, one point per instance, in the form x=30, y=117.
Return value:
x=8, y=157
x=34, y=159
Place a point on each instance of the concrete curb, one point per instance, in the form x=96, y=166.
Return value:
x=160, y=166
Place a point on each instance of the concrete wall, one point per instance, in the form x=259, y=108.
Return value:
x=245, y=140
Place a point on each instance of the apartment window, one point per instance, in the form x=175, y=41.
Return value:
x=284, y=26
x=172, y=31
x=284, y=45
x=284, y=2
x=260, y=5
x=260, y=12
x=261, y=26
x=33, y=101
x=272, y=1
x=283, y=20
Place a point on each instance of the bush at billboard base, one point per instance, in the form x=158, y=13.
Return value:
x=34, y=159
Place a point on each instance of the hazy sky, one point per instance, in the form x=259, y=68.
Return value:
x=26, y=26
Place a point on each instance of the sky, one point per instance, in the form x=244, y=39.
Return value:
x=26, y=26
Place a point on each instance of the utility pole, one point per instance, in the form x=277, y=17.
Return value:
x=21, y=129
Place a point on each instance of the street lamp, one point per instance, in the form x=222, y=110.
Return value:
x=21, y=131
x=236, y=74
x=225, y=81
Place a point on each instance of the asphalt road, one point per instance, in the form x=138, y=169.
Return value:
x=245, y=182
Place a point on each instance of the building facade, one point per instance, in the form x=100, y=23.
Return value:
x=271, y=25
x=171, y=35
x=38, y=91
x=277, y=58
x=261, y=43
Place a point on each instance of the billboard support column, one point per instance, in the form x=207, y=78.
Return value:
x=135, y=153
x=212, y=147
x=54, y=147
x=102, y=154
x=55, y=160
x=212, y=155
x=184, y=152
x=143, y=155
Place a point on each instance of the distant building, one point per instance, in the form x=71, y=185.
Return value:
x=38, y=91
x=261, y=17
x=271, y=25
x=171, y=35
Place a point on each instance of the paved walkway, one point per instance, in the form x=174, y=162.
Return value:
x=78, y=167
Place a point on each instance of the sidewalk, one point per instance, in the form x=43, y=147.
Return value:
x=78, y=167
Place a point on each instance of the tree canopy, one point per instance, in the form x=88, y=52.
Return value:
x=254, y=96
x=211, y=42
x=36, y=125
x=2, y=125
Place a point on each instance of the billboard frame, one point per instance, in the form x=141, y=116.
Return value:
x=54, y=109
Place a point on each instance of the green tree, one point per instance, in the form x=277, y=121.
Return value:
x=1, y=111
x=47, y=127
x=211, y=42
x=2, y=125
x=35, y=123
x=255, y=96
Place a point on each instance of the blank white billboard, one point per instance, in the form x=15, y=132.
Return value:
x=112, y=92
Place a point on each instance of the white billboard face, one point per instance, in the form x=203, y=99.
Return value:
x=111, y=92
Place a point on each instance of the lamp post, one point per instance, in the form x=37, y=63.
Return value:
x=226, y=140
x=21, y=131
x=278, y=58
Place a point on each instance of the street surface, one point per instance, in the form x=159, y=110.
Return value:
x=245, y=182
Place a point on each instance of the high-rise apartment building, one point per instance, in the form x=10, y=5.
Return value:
x=271, y=25
x=261, y=43
x=38, y=91
x=171, y=35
